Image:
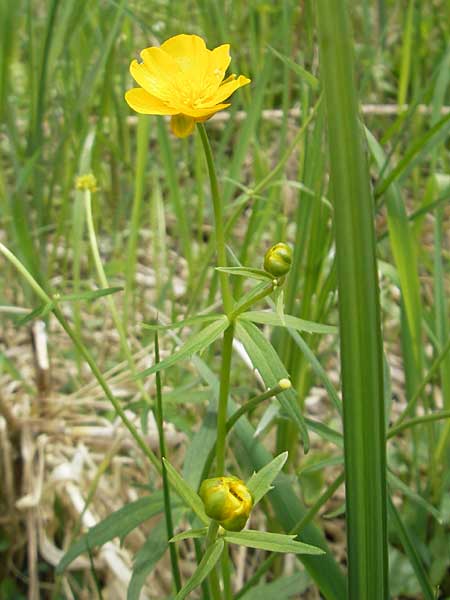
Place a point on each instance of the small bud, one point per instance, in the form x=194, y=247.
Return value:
x=278, y=259
x=227, y=500
x=86, y=182
x=285, y=384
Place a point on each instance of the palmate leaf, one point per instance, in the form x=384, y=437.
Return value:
x=261, y=482
x=186, y=493
x=196, y=343
x=208, y=562
x=271, y=369
x=118, y=524
x=272, y=542
x=267, y=317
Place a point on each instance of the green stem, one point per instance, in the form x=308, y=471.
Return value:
x=437, y=416
x=226, y=574
x=213, y=578
x=218, y=218
x=84, y=353
x=104, y=283
x=240, y=308
x=359, y=311
x=429, y=376
x=166, y=490
x=281, y=387
x=223, y=399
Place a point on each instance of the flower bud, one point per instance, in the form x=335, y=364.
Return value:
x=227, y=500
x=278, y=259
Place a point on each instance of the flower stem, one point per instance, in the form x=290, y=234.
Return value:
x=218, y=218
x=213, y=578
x=223, y=399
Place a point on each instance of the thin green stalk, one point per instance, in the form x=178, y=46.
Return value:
x=240, y=308
x=226, y=574
x=213, y=578
x=429, y=376
x=437, y=416
x=85, y=353
x=359, y=312
x=163, y=454
x=281, y=387
x=104, y=283
x=218, y=219
x=227, y=349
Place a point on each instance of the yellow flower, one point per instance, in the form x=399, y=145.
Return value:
x=227, y=500
x=183, y=79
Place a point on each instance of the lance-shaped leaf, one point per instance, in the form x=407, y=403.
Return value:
x=196, y=343
x=186, y=493
x=261, y=482
x=272, y=542
x=117, y=524
x=267, y=317
x=190, y=533
x=205, y=566
x=258, y=274
x=271, y=369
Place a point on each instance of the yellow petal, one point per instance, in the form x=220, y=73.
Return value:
x=146, y=104
x=191, y=55
x=201, y=112
x=183, y=46
x=182, y=126
x=160, y=63
x=225, y=90
x=218, y=62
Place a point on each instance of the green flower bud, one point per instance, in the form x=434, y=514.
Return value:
x=227, y=500
x=278, y=259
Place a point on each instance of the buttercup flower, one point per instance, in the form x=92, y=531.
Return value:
x=227, y=500
x=184, y=79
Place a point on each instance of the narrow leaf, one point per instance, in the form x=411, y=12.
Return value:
x=272, y=542
x=91, y=295
x=118, y=524
x=271, y=369
x=190, y=533
x=261, y=482
x=267, y=317
x=196, y=343
x=304, y=75
x=258, y=274
x=206, y=565
x=184, y=323
x=39, y=312
x=186, y=493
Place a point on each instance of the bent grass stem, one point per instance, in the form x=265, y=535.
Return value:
x=40, y=292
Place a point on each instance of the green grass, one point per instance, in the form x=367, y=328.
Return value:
x=361, y=196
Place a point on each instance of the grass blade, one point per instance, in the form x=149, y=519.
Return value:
x=359, y=312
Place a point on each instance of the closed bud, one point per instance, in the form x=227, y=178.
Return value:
x=227, y=500
x=278, y=259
